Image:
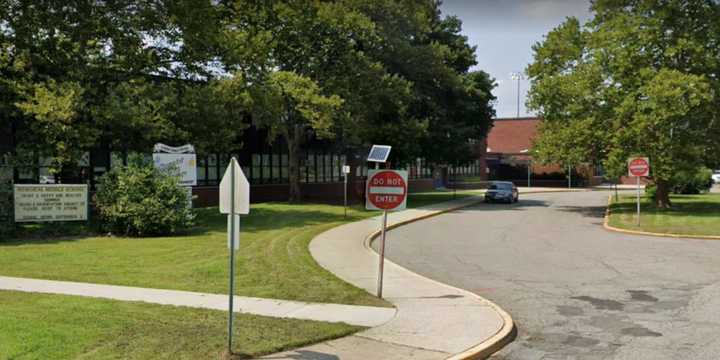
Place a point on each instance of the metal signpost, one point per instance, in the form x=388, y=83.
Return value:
x=346, y=171
x=386, y=190
x=638, y=167
x=234, y=200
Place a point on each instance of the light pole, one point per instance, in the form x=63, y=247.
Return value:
x=517, y=76
x=529, y=165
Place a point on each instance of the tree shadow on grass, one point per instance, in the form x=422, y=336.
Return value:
x=692, y=209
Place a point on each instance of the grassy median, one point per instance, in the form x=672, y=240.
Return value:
x=689, y=215
x=39, y=326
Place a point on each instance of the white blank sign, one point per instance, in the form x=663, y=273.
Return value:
x=242, y=190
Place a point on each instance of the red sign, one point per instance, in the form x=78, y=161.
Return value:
x=639, y=166
x=386, y=190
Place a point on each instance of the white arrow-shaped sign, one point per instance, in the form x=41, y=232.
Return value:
x=240, y=191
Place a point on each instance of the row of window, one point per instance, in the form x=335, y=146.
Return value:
x=261, y=169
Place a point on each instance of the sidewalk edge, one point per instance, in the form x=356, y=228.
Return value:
x=489, y=346
x=607, y=226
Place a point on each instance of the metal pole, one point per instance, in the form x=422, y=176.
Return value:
x=638, y=200
x=569, y=177
x=345, y=194
x=529, y=170
x=382, y=256
x=616, y=191
x=232, y=254
x=454, y=177
x=518, y=96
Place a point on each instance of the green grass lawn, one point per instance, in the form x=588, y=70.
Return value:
x=39, y=326
x=273, y=260
x=689, y=215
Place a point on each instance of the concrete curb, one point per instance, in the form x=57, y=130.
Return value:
x=507, y=332
x=606, y=225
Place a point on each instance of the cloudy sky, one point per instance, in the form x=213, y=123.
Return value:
x=504, y=31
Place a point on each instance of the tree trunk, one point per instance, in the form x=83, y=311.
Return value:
x=293, y=142
x=662, y=196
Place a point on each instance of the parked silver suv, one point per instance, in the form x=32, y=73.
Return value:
x=501, y=191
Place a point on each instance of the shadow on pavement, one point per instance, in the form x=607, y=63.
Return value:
x=597, y=212
x=306, y=355
x=522, y=204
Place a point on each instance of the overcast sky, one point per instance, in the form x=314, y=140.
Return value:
x=504, y=31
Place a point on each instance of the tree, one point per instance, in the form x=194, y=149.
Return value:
x=77, y=75
x=639, y=79
x=334, y=45
x=293, y=106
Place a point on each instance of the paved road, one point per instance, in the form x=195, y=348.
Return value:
x=575, y=290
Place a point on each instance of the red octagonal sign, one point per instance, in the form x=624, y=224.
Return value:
x=639, y=166
x=386, y=190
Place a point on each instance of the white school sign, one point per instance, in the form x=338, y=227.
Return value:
x=42, y=203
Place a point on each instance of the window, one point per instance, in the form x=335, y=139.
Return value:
x=256, y=169
x=201, y=170
x=284, y=168
x=212, y=173
x=275, y=168
x=311, y=168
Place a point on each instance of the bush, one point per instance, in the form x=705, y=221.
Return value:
x=140, y=200
x=692, y=182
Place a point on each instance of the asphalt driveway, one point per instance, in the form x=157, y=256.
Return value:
x=575, y=290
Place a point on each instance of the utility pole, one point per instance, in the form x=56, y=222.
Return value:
x=517, y=76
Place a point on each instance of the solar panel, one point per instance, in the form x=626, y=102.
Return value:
x=379, y=153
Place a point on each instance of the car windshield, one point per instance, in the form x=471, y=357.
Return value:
x=500, y=186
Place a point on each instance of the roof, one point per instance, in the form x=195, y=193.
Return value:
x=512, y=136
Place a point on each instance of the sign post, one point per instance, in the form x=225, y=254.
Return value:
x=386, y=190
x=346, y=171
x=638, y=167
x=234, y=200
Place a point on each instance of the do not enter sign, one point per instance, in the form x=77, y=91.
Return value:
x=386, y=190
x=639, y=166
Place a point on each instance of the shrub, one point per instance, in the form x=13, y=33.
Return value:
x=140, y=200
x=692, y=181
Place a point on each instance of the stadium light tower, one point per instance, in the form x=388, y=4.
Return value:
x=517, y=76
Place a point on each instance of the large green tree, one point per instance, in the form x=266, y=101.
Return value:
x=293, y=106
x=80, y=74
x=329, y=45
x=640, y=78
x=401, y=69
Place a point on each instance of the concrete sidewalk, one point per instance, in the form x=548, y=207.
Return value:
x=355, y=315
x=434, y=320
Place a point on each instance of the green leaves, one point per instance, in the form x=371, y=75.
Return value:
x=639, y=79
x=140, y=200
x=54, y=109
x=286, y=101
